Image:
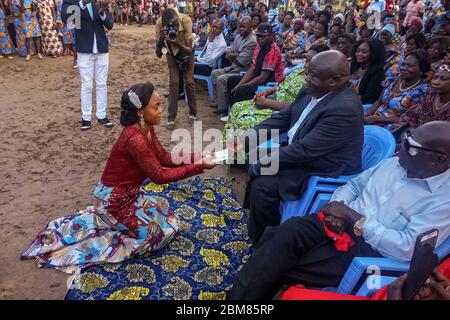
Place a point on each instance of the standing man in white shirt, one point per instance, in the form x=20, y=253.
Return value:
x=383, y=210
x=93, y=58
x=214, y=48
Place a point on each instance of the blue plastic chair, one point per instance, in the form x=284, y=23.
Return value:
x=290, y=70
x=266, y=86
x=359, y=265
x=379, y=144
x=208, y=79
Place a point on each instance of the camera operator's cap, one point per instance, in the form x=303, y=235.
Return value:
x=264, y=29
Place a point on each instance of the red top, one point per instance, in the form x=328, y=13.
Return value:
x=134, y=157
x=273, y=61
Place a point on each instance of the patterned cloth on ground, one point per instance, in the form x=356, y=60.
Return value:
x=200, y=263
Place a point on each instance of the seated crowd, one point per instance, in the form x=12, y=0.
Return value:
x=332, y=74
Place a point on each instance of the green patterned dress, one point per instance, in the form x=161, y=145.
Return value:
x=245, y=114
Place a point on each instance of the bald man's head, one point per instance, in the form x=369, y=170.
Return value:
x=425, y=151
x=327, y=72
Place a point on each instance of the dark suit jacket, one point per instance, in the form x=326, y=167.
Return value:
x=370, y=87
x=328, y=142
x=84, y=37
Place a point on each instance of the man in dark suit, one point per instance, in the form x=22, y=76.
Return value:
x=325, y=129
x=90, y=22
x=325, y=126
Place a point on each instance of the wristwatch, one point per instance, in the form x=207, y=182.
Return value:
x=357, y=228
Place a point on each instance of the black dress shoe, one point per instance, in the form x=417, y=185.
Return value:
x=105, y=122
x=85, y=125
x=181, y=96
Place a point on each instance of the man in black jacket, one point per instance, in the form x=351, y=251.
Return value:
x=325, y=126
x=92, y=50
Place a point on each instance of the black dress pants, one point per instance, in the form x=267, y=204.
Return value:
x=244, y=92
x=202, y=70
x=295, y=252
x=263, y=201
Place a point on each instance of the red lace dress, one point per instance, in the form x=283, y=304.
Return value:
x=120, y=198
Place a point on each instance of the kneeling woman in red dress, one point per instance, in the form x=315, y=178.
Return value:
x=125, y=221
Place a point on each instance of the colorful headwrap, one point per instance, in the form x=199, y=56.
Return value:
x=417, y=23
x=390, y=28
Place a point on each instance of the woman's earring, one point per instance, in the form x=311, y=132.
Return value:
x=142, y=121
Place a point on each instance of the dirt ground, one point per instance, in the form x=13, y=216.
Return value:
x=48, y=167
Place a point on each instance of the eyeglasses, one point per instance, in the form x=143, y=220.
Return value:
x=413, y=147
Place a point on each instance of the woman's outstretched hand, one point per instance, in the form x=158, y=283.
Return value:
x=208, y=160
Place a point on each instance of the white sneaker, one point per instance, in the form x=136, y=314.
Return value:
x=28, y=57
x=224, y=119
x=40, y=56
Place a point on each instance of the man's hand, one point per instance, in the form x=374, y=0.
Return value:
x=394, y=290
x=336, y=225
x=437, y=287
x=211, y=37
x=234, y=89
x=103, y=10
x=234, y=145
x=231, y=57
x=341, y=211
x=174, y=42
x=259, y=100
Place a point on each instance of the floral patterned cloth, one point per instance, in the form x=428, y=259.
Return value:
x=6, y=45
x=245, y=114
x=200, y=263
x=396, y=103
x=25, y=23
x=295, y=39
x=94, y=235
x=311, y=40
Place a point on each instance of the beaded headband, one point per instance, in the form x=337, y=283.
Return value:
x=134, y=98
x=444, y=67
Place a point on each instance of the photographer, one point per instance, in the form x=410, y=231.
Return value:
x=174, y=34
x=93, y=56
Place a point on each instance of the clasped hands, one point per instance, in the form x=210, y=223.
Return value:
x=338, y=216
x=103, y=6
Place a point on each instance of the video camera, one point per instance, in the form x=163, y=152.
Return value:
x=172, y=32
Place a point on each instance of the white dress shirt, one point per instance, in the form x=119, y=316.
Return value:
x=312, y=103
x=397, y=208
x=91, y=13
x=213, y=50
